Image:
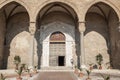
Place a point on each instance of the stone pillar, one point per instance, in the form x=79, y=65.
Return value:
x=32, y=30
x=69, y=55
x=45, y=55
x=82, y=49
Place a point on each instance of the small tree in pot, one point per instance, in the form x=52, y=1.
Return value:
x=99, y=59
x=106, y=77
x=91, y=66
x=88, y=73
x=28, y=71
x=80, y=73
x=19, y=72
x=17, y=61
x=76, y=71
x=23, y=66
x=36, y=69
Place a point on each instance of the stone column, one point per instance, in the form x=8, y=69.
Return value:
x=45, y=54
x=32, y=30
x=82, y=49
x=69, y=55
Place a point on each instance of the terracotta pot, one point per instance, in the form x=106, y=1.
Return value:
x=91, y=68
x=76, y=71
x=88, y=78
x=81, y=74
x=100, y=67
x=19, y=78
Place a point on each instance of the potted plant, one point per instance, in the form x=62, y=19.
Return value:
x=36, y=69
x=106, y=77
x=28, y=71
x=91, y=66
x=99, y=59
x=80, y=73
x=76, y=71
x=19, y=72
x=23, y=66
x=88, y=74
x=2, y=77
x=17, y=61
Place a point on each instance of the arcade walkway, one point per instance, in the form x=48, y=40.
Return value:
x=55, y=76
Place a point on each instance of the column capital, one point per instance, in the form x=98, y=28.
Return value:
x=81, y=26
x=32, y=28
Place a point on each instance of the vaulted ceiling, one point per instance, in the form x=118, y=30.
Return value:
x=101, y=9
x=12, y=9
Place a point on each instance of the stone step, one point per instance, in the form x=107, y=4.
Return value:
x=56, y=68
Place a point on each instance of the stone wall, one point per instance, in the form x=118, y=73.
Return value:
x=18, y=38
x=2, y=36
x=115, y=40
x=96, y=36
x=52, y=23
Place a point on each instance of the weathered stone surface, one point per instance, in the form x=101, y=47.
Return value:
x=2, y=36
x=95, y=38
x=18, y=38
x=101, y=35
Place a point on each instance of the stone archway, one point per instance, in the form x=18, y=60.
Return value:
x=45, y=36
x=14, y=20
x=56, y=17
x=102, y=34
x=57, y=49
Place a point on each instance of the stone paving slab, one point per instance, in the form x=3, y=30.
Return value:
x=66, y=75
x=96, y=75
x=55, y=76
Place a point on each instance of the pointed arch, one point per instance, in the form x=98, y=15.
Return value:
x=20, y=2
x=14, y=17
x=70, y=5
x=108, y=3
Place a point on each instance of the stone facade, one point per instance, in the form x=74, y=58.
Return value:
x=90, y=27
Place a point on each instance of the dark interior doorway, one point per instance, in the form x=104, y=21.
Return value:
x=61, y=60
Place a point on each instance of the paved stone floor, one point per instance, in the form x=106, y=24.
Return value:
x=98, y=77
x=69, y=75
x=55, y=76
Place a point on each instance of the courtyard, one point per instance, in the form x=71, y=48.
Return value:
x=64, y=75
x=60, y=39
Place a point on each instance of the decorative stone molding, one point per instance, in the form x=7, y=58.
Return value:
x=81, y=26
x=32, y=28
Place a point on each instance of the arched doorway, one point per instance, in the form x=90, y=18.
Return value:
x=102, y=34
x=56, y=17
x=57, y=49
x=14, y=20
